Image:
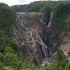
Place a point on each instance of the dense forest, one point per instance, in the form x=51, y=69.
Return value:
x=8, y=47
x=37, y=6
x=9, y=58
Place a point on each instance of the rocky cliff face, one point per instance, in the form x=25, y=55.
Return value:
x=59, y=33
x=29, y=33
x=32, y=34
x=65, y=45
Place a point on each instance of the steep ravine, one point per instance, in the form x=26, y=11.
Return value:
x=29, y=32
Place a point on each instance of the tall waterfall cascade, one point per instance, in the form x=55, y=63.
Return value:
x=49, y=23
x=50, y=19
x=28, y=32
x=44, y=49
x=31, y=35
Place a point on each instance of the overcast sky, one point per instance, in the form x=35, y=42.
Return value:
x=14, y=2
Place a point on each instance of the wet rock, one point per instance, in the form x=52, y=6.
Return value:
x=28, y=31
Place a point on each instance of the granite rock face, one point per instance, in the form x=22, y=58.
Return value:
x=32, y=34
x=29, y=32
x=59, y=33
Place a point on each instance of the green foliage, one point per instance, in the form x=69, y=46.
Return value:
x=59, y=55
x=62, y=9
x=1, y=33
x=1, y=57
x=61, y=16
x=9, y=50
x=31, y=66
x=17, y=65
x=1, y=66
x=52, y=67
x=60, y=20
x=7, y=17
x=8, y=47
x=47, y=14
x=38, y=6
x=10, y=42
x=9, y=58
x=63, y=62
x=2, y=44
x=67, y=66
x=7, y=41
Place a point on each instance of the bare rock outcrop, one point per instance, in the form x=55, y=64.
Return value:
x=29, y=32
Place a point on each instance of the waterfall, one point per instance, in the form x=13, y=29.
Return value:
x=49, y=23
x=22, y=24
x=46, y=36
x=31, y=35
x=44, y=49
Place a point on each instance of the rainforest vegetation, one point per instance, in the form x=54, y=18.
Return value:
x=9, y=58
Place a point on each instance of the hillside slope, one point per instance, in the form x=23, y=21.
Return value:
x=59, y=30
x=37, y=6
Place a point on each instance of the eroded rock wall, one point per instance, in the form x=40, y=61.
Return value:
x=29, y=32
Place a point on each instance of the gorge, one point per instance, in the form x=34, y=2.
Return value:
x=29, y=33
x=35, y=36
x=32, y=36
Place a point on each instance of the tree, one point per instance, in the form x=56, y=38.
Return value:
x=1, y=66
x=18, y=65
x=9, y=58
x=1, y=57
x=59, y=55
x=67, y=66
